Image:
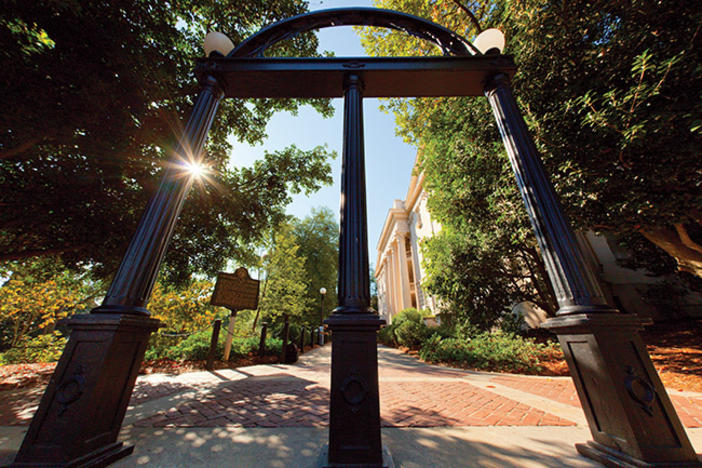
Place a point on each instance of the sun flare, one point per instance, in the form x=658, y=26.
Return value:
x=196, y=170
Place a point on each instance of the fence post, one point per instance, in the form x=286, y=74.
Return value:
x=286, y=332
x=213, y=344
x=302, y=340
x=262, y=343
x=230, y=335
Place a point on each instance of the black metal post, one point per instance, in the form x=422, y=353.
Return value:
x=81, y=412
x=286, y=336
x=213, y=344
x=321, y=309
x=630, y=415
x=262, y=342
x=302, y=340
x=354, y=420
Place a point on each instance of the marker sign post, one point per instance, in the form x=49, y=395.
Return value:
x=235, y=291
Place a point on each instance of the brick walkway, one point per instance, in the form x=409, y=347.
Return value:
x=412, y=394
x=284, y=401
x=18, y=406
x=563, y=391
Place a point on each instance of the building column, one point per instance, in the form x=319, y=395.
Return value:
x=414, y=243
x=405, y=297
x=392, y=281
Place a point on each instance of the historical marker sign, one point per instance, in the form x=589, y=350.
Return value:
x=236, y=291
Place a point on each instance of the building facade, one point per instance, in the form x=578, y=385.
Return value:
x=399, y=270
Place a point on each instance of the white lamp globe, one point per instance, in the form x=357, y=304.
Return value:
x=322, y=291
x=217, y=42
x=490, y=41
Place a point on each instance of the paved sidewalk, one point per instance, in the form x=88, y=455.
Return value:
x=431, y=416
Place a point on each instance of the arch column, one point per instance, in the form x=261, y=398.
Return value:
x=631, y=418
x=354, y=407
x=81, y=411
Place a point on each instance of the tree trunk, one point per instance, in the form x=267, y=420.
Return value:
x=677, y=244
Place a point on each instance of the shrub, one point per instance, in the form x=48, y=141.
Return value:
x=43, y=348
x=495, y=352
x=407, y=329
x=197, y=346
x=410, y=314
x=411, y=334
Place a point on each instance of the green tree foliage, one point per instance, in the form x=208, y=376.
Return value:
x=318, y=238
x=36, y=294
x=286, y=288
x=610, y=91
x=96, y=94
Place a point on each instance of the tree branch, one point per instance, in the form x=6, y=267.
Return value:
x=470, y=14
x=12, y=152
x=688, y=259
x=5, y=257
x=685, y=238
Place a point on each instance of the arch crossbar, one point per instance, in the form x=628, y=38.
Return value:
x=449, y=42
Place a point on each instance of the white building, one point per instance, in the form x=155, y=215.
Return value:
x=399, y=269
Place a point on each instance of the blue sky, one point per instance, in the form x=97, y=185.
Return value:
x=389, y=160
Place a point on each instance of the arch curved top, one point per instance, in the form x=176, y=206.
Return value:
x=450, y=42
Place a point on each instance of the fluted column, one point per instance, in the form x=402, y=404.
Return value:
x=576, y=287
x=393, y=279
x=354, y=286
x=405, y=293
x=631, y=417
x=354, y=406
x=131, y=287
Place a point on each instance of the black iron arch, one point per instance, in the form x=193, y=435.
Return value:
x=602, y=347
x=449, y=42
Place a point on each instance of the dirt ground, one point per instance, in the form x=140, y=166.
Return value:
x=675, y=349
x=676, y=352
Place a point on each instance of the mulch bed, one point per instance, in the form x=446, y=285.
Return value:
x=675, y=349
x=15, y=376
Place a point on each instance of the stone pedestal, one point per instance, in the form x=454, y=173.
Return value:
x=632, y=420
x=354, y=419
x=82, y=409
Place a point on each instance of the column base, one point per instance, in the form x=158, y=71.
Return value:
x=616, y=459
x=630, y=415
x=323, y=461
x=354, y=405
x=97, y=459
x=81, y=412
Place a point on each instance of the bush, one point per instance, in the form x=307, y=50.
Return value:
x=407, y=329
x=43, y=348
x=386, y=335
x=197, y=346
x=495, y=352
x=411, y=334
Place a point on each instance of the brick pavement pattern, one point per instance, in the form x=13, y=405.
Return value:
x=288, y=401
x=563, y=391
x=17, y=406
x=412, y=394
